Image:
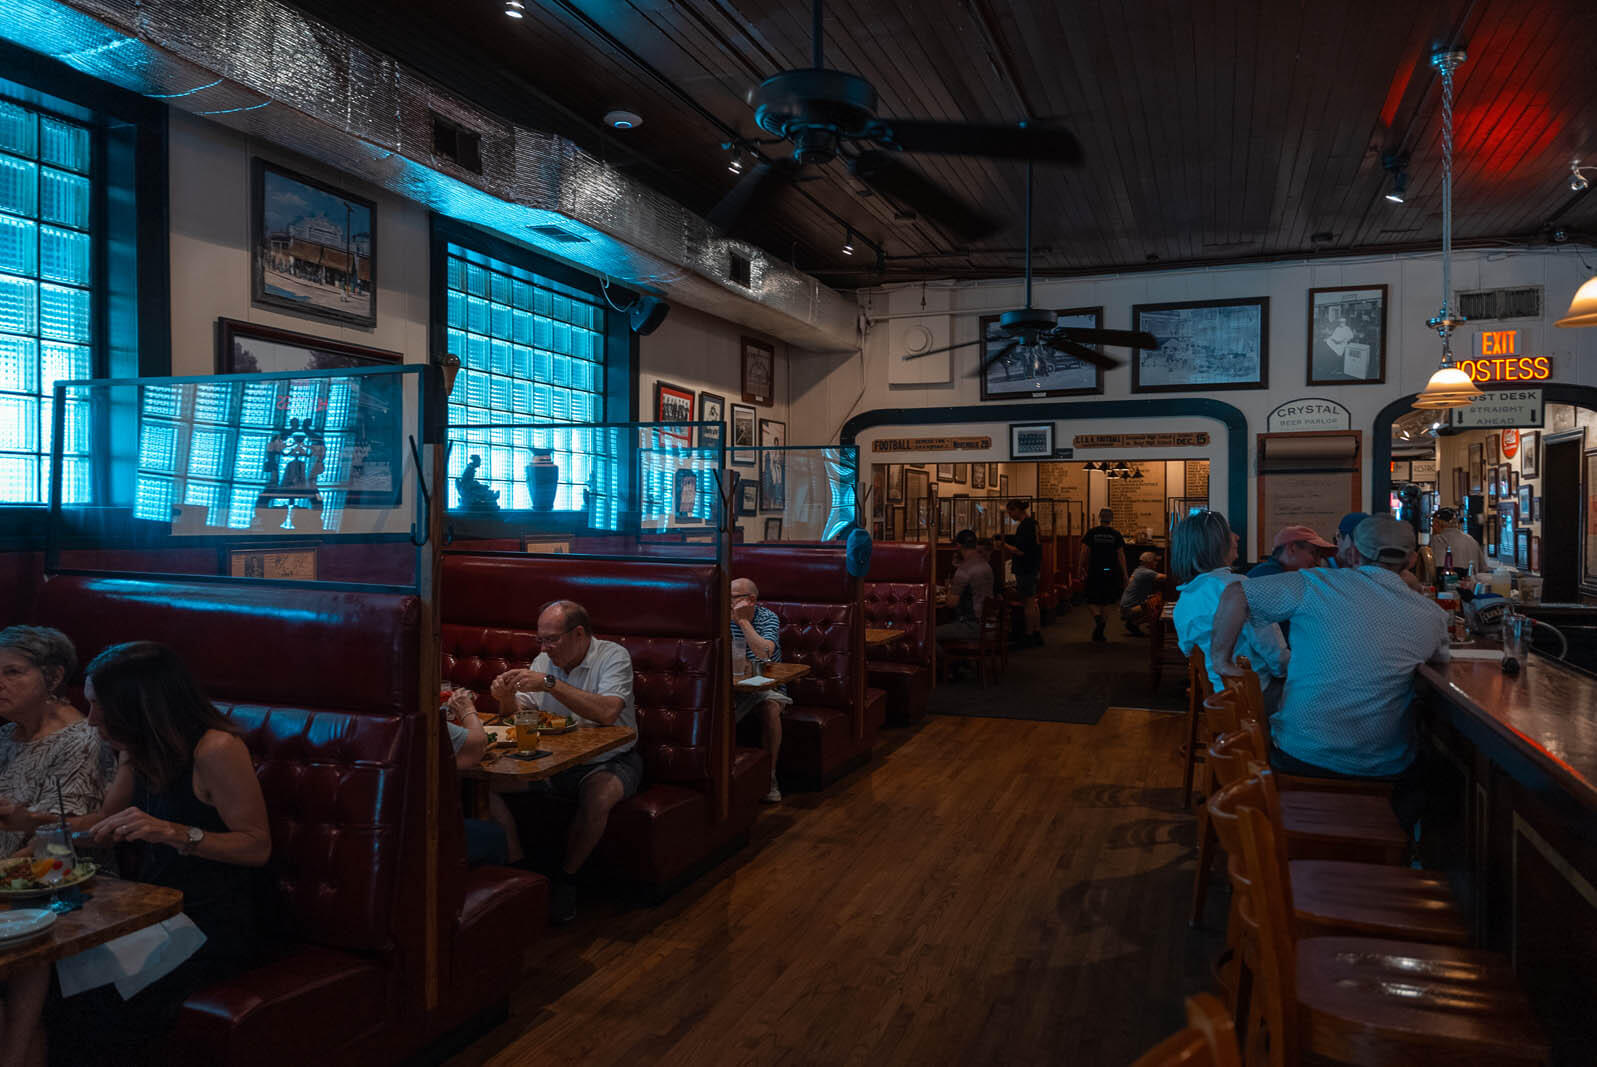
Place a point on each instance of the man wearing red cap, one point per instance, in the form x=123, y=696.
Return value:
x=1296, y=548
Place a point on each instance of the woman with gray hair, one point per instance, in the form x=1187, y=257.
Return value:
x=44, y=739
x=1202, y=550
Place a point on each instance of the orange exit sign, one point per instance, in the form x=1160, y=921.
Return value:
x=1500, y=360
x=1500, y=343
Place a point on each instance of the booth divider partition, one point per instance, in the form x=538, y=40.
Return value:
x=899, y=595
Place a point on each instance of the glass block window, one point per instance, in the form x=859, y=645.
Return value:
x=46, y=299
x=531, y=351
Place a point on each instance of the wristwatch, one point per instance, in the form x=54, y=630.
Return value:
x=195, y=836
x=549, y=682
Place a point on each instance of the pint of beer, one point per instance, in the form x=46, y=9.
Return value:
x=527, y=718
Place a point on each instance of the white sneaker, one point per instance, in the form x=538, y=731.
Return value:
x=774, y=796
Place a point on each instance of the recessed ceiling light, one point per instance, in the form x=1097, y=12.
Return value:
x=515, y=9
x=623, y=120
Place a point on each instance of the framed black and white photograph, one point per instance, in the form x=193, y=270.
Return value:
x=1530, y=465
x=712, y=408
x=672, y=403
x=1203, y=345
x=1347, y=335
x=895, y=483
x=1477, y=466
x=743, y=439
x=773, y=465
x=1031, y=440
x=1526, y=511
x=685, y=496
x=245, y=348
x=313, y=247
x=773, y=529
x=1037, y=370
x=978, y=476
x=961, y=473
x=759, y=372
x=945, y=472
x=748, y=498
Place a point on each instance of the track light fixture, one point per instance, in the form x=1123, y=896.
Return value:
x=1578, y=182
x=515, y=9
x=1397, y=167
x=848, y=242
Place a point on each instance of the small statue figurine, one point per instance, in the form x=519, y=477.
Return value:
x=474, y=496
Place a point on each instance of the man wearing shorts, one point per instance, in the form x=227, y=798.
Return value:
x=762, y=636
x=581, y=676
x=1103, y=568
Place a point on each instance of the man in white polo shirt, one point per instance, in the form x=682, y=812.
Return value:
x=582, y=676
x=1358, y=634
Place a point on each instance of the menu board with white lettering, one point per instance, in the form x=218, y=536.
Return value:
x=1197, y=479
x=1061, y=481
x=1138, y=503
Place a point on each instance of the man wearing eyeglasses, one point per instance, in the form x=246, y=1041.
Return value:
x=579, y=675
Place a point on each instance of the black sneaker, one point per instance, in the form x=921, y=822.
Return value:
x=562, y=902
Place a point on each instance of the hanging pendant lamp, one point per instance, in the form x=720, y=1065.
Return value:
x=1582, y=309
x=1449, y=387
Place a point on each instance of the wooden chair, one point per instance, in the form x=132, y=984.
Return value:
x=1220, y=714
x=1198, y=690
x=990, y=646
x=1209, y=1039
x=1365, y=1000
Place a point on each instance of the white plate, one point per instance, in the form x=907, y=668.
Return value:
x=20, y=923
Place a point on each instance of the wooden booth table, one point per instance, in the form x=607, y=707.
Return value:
x=882, y=638
x=565, y=750
x=775, y=674
x=112, y=908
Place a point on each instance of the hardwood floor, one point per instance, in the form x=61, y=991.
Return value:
x=986, y=891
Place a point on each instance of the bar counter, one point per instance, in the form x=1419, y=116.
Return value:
x=1514, y=791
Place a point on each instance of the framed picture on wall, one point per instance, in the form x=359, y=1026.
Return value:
x=978, y=476
x=1522, y=549
x=1003, y=486
x=1347, y=335
x=291, y=564
x=712, y=408
x=748, y=498
x=1492, y=527
x=945, y=472
x=773, y=465
x=685, y=495
x=1203, y=345
x=961, y=473
x=1535, y=509
x=945, y=520
x=1507, y=532
x=743, y=439
x=773, y=529
x=1460, y=483
x=895, y=483
x=992, y=474
x=916, y=484
x=759, y=372
x=245, y=348
x=1494, y=448
x=313, y=247
x=1534, y=559
x=672, y=403
x=1010, y=369
x=1031, y=440
x=1530, y=465
x=1477, y=468
x=1526, y=511
x=1513, y=481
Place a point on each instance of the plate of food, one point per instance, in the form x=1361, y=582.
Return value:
x=24, y=876
x=550, y=723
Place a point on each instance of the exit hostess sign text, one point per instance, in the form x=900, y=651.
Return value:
x=1502, y=359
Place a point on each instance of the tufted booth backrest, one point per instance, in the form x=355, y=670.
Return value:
x=898, y=594
x=667, y=616
x=822, y=617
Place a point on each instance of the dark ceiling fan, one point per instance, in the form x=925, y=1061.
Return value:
x=826, y=114
x=1036, y=334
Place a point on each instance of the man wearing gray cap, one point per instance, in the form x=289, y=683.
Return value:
x=1358, y=634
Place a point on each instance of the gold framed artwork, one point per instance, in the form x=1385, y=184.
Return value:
x=286, y=564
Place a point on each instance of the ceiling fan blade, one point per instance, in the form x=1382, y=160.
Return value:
x=888, y=175
x=752, y=196
x=1122, y=338
x=1043, y=144
x=1082, y=352
x=945, y=348
x=1001, y=354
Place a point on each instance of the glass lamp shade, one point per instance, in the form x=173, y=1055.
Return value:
x=1449, y=387
x=1582, y=309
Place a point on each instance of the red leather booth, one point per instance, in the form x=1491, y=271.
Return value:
x=670, y=617
x=897, y=594
x=324, y=687
x=834, y=719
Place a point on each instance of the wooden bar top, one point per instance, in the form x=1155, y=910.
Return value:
x=1546, y=714
x=114, y=908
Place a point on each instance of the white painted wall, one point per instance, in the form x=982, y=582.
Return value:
x=828, y=390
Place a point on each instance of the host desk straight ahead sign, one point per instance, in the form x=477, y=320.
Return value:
x=1519, y=408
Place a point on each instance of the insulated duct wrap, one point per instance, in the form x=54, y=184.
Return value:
x=272, y=72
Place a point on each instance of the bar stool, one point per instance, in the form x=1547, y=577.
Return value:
x=1220, y=715
x=1209, y=1039
x=1366, y=1000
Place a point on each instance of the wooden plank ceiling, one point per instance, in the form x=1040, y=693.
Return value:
x=1214, y=131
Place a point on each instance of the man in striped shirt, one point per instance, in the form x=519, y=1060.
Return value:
x=762, y=633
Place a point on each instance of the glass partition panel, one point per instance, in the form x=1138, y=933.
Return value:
x=805, y=494
x=608, y=489
x=240, y=475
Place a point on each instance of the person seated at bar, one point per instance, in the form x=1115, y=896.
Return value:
x=1359, y=635
x=1346, y=556
x=968, y=588
x=45, y=741
x=1448, y=536
x=492, y=841
x=1295, y=548
x=1103, y=568
x=1202, y=550
x=589, y=679
x=186, y=793
x=762, y=635
x=1025, y=546
x=1144, y=580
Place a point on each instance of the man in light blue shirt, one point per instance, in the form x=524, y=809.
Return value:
x=1358, y=635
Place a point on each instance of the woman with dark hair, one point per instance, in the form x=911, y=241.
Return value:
x=186, y=793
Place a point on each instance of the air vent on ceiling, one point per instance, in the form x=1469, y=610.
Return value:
x=1524, y=302
x=740, y=270
x=555, y=233
x=456, y=143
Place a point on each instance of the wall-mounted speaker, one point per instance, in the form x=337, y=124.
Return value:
x=647, y=314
